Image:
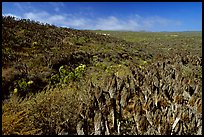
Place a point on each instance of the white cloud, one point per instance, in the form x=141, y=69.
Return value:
x=158, y=20
x=9, y=14
x=77, y=22
x=113, y=23
x=134, y=23
x=56, y=18
x=38, y=16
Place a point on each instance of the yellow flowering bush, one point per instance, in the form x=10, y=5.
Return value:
x=22, y=86
x=64, y=75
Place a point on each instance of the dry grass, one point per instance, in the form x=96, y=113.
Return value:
x=44, y=113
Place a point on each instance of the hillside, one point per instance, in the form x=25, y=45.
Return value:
x=66, y=81
x=35, y=52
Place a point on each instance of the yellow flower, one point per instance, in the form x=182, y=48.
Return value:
x=30, y=82
x=141, y=67
x=15, y=91
x=35, y=43
x=145, y=62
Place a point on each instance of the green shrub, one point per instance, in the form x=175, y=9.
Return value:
x=22, y=86
x=80, y=41
x=64, y=75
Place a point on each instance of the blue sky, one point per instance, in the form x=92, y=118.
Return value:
x=131, y=16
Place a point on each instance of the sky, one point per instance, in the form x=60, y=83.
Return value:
x=126, y=16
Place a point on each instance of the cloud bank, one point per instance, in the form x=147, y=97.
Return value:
x=131, y=23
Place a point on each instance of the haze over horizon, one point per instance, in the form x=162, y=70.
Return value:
x=125, y=16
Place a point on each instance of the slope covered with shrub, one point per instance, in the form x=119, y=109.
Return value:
x=66, y=81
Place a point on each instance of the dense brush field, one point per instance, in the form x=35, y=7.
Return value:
x=59, y=81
